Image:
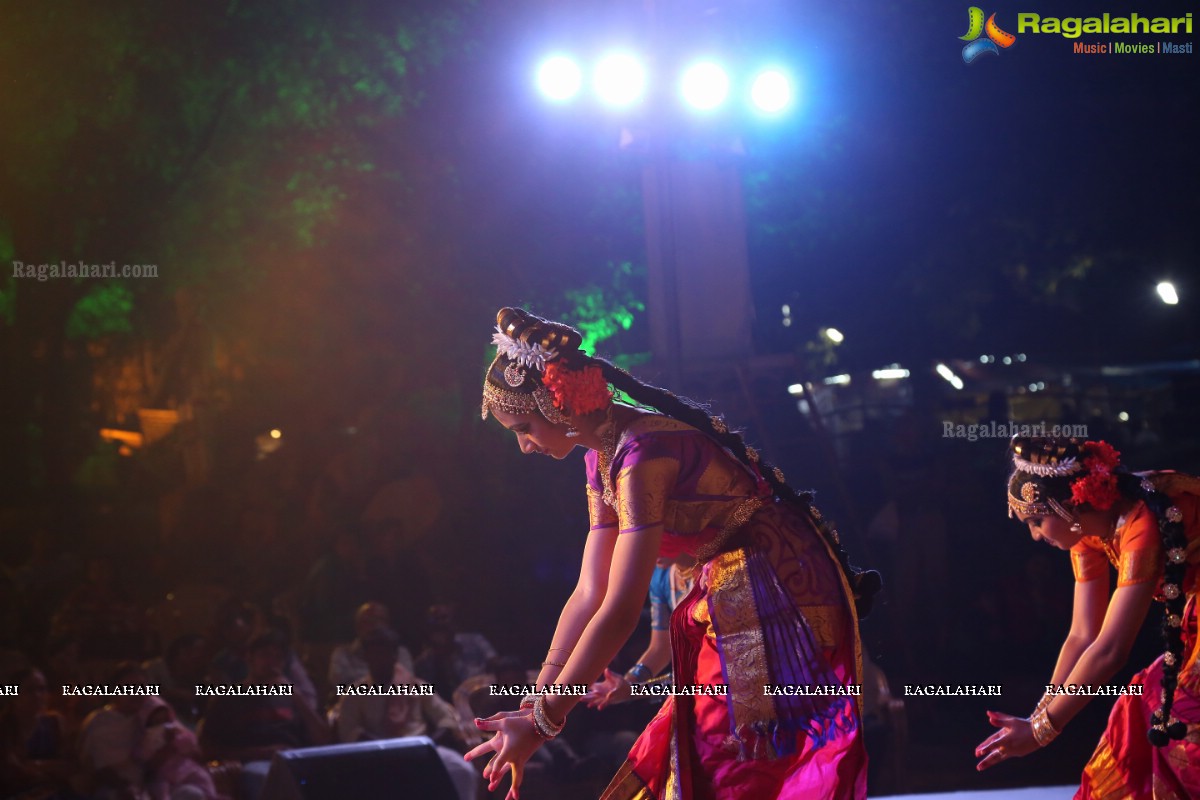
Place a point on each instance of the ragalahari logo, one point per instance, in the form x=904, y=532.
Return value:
x=995, y=40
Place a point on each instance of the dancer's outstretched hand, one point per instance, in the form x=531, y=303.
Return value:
x=612, y=688
x=515, y=741
x=1014, y=739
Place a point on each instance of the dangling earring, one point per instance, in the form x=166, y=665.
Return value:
x=571, y=431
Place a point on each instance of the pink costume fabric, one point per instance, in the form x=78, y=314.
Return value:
x=770, y=607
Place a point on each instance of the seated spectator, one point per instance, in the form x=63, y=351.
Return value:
x=347, y=663
x=252, y=729
x=366, y=717
x=171, y=756
x=177, y=672
x=451, y=656
x=32, y=739
x=234, y=628
x=108, y=745
x=293, y=667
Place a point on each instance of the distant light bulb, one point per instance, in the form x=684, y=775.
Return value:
x=1166, y=291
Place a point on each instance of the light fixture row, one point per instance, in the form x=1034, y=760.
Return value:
x=620, y=80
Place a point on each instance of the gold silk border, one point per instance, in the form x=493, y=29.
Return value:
x=626, y=785
x=1140, y=566
x=731, y=606
x=1105, y=779
x=600, y=515
x=642, y=492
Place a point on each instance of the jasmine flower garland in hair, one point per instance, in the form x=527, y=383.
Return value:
x=533, y=355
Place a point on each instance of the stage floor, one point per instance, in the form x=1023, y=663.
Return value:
x=1035, y=793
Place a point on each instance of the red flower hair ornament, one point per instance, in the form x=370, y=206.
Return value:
x=1098, y=486
x=577, y=392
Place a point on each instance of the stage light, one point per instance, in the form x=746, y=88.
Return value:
x=559, y=78
x=1166, y=291
x=949, y=375
x=796, y=389
x=890, y=373
x=834, y=335
x=705, y=86
x=1123, y=416
x=620, y=79
x=771, y=91
x=837, y=380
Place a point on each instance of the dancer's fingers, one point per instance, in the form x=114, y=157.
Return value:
x=487, y=747
x=993, y=758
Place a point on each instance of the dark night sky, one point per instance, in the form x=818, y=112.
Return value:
x=905, y=156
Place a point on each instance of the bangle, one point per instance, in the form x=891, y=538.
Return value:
x=558, y=650
x=638, y=673
x=1045, y=701
x=554, y=663
x=1044, y=731
x=541, y=723
x=528, y=700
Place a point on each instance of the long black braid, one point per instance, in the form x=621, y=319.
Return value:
x=1163, y=727
x=864, y=583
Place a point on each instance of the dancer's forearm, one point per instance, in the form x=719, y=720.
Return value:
x=607, y=632
x=578, y=611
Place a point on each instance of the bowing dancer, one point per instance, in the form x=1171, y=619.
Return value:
x=773, y=601
x=1076, y=496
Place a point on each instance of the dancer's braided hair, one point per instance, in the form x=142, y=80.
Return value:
x=531, y=329
x=1133, y=487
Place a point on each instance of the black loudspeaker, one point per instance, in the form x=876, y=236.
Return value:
x=388, y=769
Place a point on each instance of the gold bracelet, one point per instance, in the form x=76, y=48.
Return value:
x=1044, y=731
x=554, y=664
x=541, y=723
x=559, y=649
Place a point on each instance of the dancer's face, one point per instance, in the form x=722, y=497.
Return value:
x=1052, y=529
x=535, y=434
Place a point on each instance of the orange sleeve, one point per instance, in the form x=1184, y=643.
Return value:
x=1141, y=549
x=1088, y=563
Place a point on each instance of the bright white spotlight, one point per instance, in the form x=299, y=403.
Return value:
x=834, y=335
x=796, y=389
x=705, y=86
x=559, y=78
x=950, y=377
x=1166, y=290
x=891, y=373
x=771, y=91
x=837, y=380
x=620, y=79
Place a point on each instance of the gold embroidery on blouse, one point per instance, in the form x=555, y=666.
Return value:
x=600, y=514
x=642, y=491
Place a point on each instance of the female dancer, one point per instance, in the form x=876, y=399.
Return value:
x=1077, y=496
x=773, y=601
